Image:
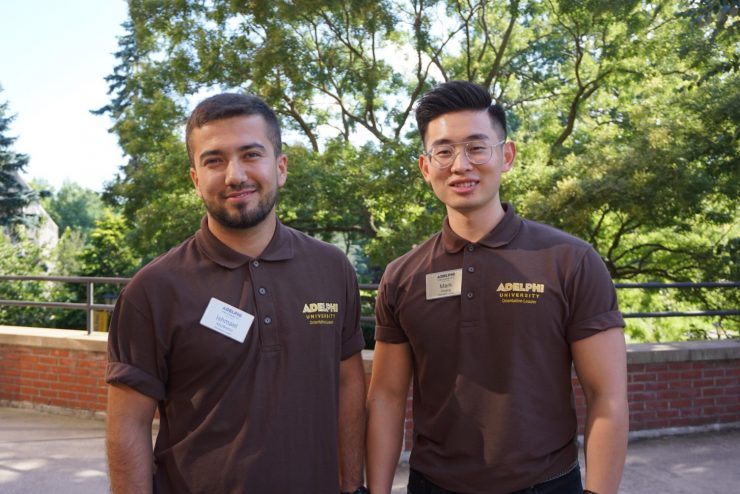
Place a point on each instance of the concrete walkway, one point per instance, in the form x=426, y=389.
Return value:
x=65, y=455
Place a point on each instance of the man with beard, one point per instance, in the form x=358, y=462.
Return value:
x=245, y=337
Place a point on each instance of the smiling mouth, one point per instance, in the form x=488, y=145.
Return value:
x=464, y=185
x=240, y=193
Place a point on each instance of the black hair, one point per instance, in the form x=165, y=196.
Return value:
x=456, y=96
x=227, y=105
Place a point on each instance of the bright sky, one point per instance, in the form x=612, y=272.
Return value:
x=54, y=56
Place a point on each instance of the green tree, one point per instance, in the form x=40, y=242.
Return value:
x=108, y=252
x=14, y=195
x=626, y=116
x=74, y=207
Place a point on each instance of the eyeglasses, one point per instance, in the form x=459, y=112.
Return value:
x=477, y=152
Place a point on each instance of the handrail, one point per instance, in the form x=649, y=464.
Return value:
x=89, y=305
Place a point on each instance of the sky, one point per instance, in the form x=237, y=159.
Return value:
x=54, y=56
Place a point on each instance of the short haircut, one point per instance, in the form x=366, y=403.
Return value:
x=454, y=96
x=228, y=105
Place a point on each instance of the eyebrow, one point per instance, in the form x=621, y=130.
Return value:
x=472, y=137
x=241, y=149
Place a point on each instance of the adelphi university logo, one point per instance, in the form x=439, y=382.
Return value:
x=321, y=312
x=520, y=293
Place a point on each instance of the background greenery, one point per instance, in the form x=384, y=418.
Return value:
x=626, y=115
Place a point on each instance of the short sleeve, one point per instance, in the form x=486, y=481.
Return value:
x=134, y=357
x=387, y=327
x=352, y=339
x=592, y=299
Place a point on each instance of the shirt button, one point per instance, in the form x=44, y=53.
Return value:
x=471, y=269
x=268, y=320
x=471, y=248
x=256, y=264
x=262, y=290
x=469, y=295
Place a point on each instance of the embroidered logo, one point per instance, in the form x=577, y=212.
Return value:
x=321, y=312
x=520, y=293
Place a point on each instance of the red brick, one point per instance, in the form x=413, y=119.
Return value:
x=725, y=381
x=652, y=386
x=644, y=377
x=727, y=400
x=635, y=387
x=712, y=391
x=692, y=374
x=48, y=393
x=668, y=395
x=732, y=390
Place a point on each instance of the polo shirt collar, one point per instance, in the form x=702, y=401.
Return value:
x=501, y=235
x=280, y=247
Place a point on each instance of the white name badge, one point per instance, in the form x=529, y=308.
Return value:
x=227, y=320
x=444, y=284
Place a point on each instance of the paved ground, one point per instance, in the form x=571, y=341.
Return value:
x=65, y=455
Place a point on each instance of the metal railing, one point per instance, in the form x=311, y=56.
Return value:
x=90, y=306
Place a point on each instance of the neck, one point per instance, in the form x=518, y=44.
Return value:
x=248, y=241
x=474, y=225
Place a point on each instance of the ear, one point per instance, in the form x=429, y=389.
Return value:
x=509, y=152
x=282, y=170
x=424, y=167
x=196, y=182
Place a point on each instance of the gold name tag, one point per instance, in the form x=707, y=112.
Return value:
x=444, y=284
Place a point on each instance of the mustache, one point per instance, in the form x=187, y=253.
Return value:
x=244, y=186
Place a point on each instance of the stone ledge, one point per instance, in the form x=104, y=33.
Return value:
x=64, y=339
x=683, y=351
x=637, y=353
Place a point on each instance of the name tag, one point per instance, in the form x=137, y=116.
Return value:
x=227, y=320
x=444, y=284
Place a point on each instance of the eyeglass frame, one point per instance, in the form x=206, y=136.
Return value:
x=428, y=154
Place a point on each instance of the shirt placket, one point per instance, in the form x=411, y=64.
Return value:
x=471, y=289
x=264, y=298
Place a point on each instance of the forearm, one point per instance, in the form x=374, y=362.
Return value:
x=605, y=444
x=129, y=440
x=351, y=424
x=384, y=441
x=129, y=459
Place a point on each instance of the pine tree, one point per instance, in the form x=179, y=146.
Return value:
x=15, y=195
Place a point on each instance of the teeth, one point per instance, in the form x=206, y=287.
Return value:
x=464, y=184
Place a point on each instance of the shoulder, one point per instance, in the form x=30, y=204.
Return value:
x=172, y=267
x=413, y=261
x=305, y=243
x=535, y=232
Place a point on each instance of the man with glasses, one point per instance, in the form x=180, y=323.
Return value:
x=489, y=315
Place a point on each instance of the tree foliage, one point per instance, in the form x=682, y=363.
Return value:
x=73, y=206
x=14, y=195
x=626, y=115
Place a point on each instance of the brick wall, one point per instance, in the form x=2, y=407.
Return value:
x=671, y=386
x=53, y=369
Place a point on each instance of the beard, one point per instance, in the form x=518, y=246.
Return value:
x=244, y=217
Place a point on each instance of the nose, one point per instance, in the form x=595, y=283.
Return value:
x=235, y=172
x=460, y=162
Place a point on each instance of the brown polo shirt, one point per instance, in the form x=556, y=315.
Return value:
x=493, y=405
x=257, y=416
